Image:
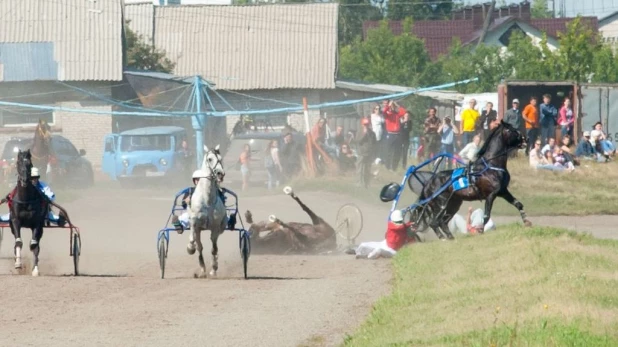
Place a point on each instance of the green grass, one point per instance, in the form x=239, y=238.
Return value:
x=588, y=190
x=516, y=287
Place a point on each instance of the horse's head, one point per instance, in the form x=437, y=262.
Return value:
x=213, y=163
x=43, y=129
x=24, y=166
x=512, y=137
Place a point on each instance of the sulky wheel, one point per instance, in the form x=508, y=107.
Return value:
x=162, y=255
x=245, y=249
x=349, y=222
x=418, y=217
x=76, y=249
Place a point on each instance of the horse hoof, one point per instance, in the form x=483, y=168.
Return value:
x=272, y=218
x=35, y=272
x=288, y=190
x=213, y=273
x=191, y=249
x=527, y=223
x=18, y=264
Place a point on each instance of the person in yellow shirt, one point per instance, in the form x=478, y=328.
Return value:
x=467, y=126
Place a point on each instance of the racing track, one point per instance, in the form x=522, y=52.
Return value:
x=122, y=302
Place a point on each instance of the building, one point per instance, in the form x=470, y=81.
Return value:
x=466, y=24
x=608, y=28
x=258, y=57
x=49, y=48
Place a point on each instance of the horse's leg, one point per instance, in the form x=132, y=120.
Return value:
x=200, y=248
x=37, y=234
x=16, y=230
x=489, y=203
x=191, y=245
x=314, y=218
x=506, y=195
x=214, y=236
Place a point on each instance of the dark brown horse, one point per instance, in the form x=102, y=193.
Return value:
x=41, y=147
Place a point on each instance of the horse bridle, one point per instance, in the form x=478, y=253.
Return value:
x=505, y=151
x=213, y=173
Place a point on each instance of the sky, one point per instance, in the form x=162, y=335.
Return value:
x=599, y=8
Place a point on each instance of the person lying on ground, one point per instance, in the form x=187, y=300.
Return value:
x=473, y=224
x=398, y=234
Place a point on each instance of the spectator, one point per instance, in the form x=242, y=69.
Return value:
x=549, y=147
x=531, y=120
x=548, y=115
x=561, y=161
x=338, y=138
x=366, y=152
x=245, y=159
x=347, y=159
x=566, y=150
x=447, y=132
x=600, y=142
x=392, y=113
x=377, y=125
x=468, y=122
x=290, y=153
x=585, y=149
x=566, y=119
x=538, y=161
x=484, y=119
x=473, y=224
x=468, y=153
x=432, y=138
x=406, y=129
x=513, y=115
x=273, y=164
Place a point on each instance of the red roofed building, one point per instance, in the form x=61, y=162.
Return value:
x=467, y=25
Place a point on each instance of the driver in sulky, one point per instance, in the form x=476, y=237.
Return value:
x=398, y=234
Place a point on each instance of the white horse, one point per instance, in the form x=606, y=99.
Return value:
x=208, y=210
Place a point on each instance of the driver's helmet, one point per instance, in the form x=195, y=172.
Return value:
x=34, y=173
x=397, y=216
x=198, y=174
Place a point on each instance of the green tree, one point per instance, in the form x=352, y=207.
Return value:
x=384, y=57
x=419, y=9
x=525, y=60
x=605, y=65
x=143, y=56
x=352, y=14
x=540, y=9
x=575, y=56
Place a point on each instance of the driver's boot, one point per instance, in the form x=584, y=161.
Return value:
x=177, y=225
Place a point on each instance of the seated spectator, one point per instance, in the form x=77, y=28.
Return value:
x=561, y=161
x=347, y=159
x=468, y=153
x=585, y=149
x=549, y=146
x=566, y=150
x=600, y=141
x=473, y=224
x=538, y=161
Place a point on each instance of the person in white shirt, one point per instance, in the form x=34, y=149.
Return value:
x=377, y=125
x=473, y=224
x=468, y=153
x=549, y=146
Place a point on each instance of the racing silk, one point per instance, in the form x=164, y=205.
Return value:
x=44, y=188
x=397, y=235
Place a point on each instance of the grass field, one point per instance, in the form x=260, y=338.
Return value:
x=516, y=287
x=590, y=189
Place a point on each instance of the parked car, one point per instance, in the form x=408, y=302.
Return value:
x=69, y=167
x=258, y=143
x=146, y=153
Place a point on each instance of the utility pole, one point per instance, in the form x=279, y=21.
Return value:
x=490, y=11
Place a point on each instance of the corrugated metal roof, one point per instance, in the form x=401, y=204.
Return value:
x=141, y=18
x=252, y=47
x=86, y=37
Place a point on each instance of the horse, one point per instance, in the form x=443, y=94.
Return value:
x=488, y=177
x=208, y=211
x=317, y=236
x=41, y=147
x=28, y=207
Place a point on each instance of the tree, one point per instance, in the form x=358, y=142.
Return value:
x=352, y=14
x=525, y=60
x=540, y=9
x=419, y=9
x=577, y=50
x=143, y=56
x=384, y=57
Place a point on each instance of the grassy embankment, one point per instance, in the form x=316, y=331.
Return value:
x=591, y=189
x=516, y=287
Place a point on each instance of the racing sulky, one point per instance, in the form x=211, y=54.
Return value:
x=488, y=179
x=292, y=237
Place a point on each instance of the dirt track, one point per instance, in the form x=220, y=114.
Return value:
x=121, y=301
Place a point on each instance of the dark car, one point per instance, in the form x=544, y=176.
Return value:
x=69, y=167
x=258, y=142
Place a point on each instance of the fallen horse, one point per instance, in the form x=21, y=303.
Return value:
x=278, y=237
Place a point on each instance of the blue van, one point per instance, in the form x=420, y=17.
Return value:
x=145, y=152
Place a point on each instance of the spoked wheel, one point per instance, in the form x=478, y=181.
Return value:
x=245, y=250
x=418, y=217
x=349, y=222
x=76, y=249
x=162, y=255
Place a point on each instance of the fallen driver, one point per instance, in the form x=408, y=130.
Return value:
x=281, y=237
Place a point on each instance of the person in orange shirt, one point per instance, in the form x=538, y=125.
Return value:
x=531, y=119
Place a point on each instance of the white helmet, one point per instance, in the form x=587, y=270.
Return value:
x=34, y=173
x=397, y=216
x=198, y=174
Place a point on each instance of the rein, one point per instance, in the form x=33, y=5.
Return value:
x=485, y=162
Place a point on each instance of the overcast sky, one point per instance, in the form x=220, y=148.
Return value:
x=599, y=8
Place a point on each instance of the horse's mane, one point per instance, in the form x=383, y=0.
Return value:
x=485, y=145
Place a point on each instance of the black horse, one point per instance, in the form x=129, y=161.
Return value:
x=28, y=207
x=487, y=175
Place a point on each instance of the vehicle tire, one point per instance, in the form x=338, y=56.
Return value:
x=76, y=252
x=245, y=250
x=162, y=256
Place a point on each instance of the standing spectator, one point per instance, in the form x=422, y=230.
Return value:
x=447, y=132
x=513, y=115
x=548, y=115
x=531, y=119
x=290, y=154
x=566, y=119
x=273, y=164
x=338, y=138
x=245, y=158
x=467, y=126
x=366, y=152
x=377, y=125
x=483, y=121
x=392, y=114
x=318, y=132
x=468, y=153
x=432, y=138
x=347, y=159
x=406, y=129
